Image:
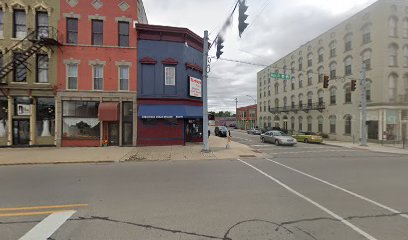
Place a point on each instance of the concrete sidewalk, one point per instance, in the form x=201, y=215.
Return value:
x=371, y=147
x=21, y=156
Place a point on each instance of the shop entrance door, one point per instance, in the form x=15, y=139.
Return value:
x=113, y=134
x=21, y=132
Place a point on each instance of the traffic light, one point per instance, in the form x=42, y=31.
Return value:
x=220, y=46
x=325, y=81
x=353, y=85
x=242, y=25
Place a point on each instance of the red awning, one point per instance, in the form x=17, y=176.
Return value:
x=109, y=111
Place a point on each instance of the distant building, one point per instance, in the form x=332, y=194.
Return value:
x=225, y=121
x=376, y=36
x=246, y=117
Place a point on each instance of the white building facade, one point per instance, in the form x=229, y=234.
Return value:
x=378, y=37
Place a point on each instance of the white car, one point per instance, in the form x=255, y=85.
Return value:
x=278, y=138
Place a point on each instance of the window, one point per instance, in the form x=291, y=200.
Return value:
x=321, y=74
x=170, y=76
x=285, y=83
x=333, y=67
x=42, y=68
x=72, y=30
x=392, y=87
x=276, y=103
x=98, y=77
x=347, y=65
x=333, y=96
x=368, y=90
x=309, y=59
x=97, y=32
x=269, y=93
x=260, y=107
x=292, y=83
x=366, y=34
x=405, y=54
x=332, y=49
x=1, y=23
x=347, y=94
x=320, y=124
x=3, y=116
x=123, y=34
x=285, y=102
x=42, y=24
x=300, y=100
x=292, y=100
x=45, y=109
x=80, y=120
x=124, y=78
x=292, y=123
x=393, y=55
x=347, y=125
x=309, y=99
x=300, y=81
x=20, y=70
x=404, y=28
x=127, y=117
x=309, y=78
x=321, y=54
x=20, y=25
x=276, y=88
x=320, y=95
x=292, y=67
x=309, y=123
x=348, y=42
x=366, y=58
x=300, y=123
x=332, y=124
x=300, y=64
x=393, y=26
x=72, y=75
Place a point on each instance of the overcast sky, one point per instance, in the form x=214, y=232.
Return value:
x=277, y=27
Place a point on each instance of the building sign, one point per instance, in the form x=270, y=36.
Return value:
x=280, y=76
x=23, y=109
x=195, y=87
x=161, y=117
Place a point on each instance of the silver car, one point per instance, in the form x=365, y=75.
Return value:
x=254, y=131
x=278, y=138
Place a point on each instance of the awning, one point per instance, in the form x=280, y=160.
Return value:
x=109, y=111
x=170, y=111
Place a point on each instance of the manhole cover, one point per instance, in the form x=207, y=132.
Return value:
x=247, y=156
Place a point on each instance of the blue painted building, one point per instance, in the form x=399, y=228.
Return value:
x=169, y=86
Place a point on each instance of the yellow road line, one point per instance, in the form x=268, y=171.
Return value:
x=44, y=207
x=23, y=214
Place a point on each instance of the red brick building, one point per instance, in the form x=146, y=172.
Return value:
x=246, y=117
x=97, y=69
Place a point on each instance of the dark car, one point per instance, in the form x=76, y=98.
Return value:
x=221, y=131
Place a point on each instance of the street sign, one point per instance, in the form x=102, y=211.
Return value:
x=280, y=76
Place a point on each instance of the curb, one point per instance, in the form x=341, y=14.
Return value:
x=55, y=163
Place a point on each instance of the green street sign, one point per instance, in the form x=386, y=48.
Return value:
x=280, y=76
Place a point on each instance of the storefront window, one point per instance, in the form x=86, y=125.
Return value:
x=80, y=120
x=127, y=116
x=45, y=117
x=194, y=129
x=3, y=116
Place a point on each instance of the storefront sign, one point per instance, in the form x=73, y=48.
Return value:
x=161, y=117
x=23, y=109
x=195, y=87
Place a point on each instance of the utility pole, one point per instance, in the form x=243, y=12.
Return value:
x=206, y=147
x=236, y=111
x=363, y=106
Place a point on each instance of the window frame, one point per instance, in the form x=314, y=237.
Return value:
x=17, y=67
x=39, y=69
x=38, y=27
x=72, y=32
x=95, y=34
x=68, y=65
x=1, y=23
x=99, y=78
x=123, y=35
x=15, y=25
x=120, y=77
x=173, y=74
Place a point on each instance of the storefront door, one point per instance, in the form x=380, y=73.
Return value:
x=113, y=133
x=194, y=130
x=21, y=132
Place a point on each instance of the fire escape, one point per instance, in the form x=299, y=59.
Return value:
x=18, y=54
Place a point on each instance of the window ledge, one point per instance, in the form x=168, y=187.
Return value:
x=71, y=90
x=348, y=103
x=19, y=83
x=332, y=104
x=39, y=83
x=347, y=134
x=16, y=39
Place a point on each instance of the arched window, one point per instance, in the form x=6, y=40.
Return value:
x=300, y=61
x=393, y=26
x=309, y=59
x=320, y=95
x=406, y=86
x=300, y=100
x=333, y=67
x=300, y=123
x=405, y=54
x=347, y=93
x=347, y=125
x=276, y=103
x=320, y=71
x=265, y=106
x=320, y=124
x=366, y=31
x=348, y=39
x=366, y=58
x=333, y=49
x=405, y=28
x=285, y=85
x=300, y=80
x=292, y=83
x=292, y=101
x=333, y=96
x=348, y=62
x=392, y=54
x=269, y=121
x=260, y=107
x=332, y=120
x=309, y=99
x=321, y=55
x=292, y=67
x=285, y=102
x=292, y=123
x=276, y=120
x=309, y=123
x=392, y=87
x=309, y=77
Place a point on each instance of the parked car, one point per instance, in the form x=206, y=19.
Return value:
x=254, y=131
x=278, y=138
x=308, y=137
x=221, y=131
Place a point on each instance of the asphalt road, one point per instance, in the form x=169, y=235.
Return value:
x=304, y=192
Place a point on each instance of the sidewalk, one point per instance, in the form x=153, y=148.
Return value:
x=21, y=156
x=371, y=147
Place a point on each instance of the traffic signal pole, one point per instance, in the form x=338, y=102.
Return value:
x=206, y=147
x=363, y=106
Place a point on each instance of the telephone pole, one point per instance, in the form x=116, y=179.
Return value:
x=206, y=147
x=363, y=106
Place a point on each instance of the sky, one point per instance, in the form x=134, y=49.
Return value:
x=276, y=28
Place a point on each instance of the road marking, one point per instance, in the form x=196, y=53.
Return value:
x=347, y=223
x=25, y=214
x=301, y=152
x=43, y=207
x=44, y=229
x=343, y=189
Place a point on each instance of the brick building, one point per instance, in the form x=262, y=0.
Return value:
x=246, y=117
